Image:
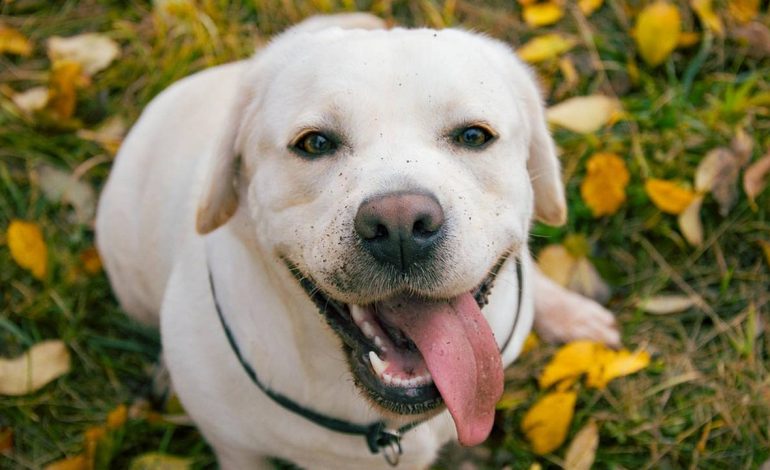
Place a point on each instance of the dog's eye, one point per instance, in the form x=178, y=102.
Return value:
x=315, y=144
x=474, y=137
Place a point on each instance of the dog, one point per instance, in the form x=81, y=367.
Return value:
x=332, y=239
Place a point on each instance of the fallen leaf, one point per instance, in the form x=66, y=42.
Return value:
x=574, y=273
x=705, y=11
x=60, y=185
x=32, y=100
x=158, y=461
x=64, y=82
x=545, y=47
x=582, y=450
x=690, y=223
x=687, y=39
x=94, y=52
x=668, y=196
x=570, y=361
x=547, y=422
x=530, y=343
x=614, y=364
x=79, y=462
x=718, y=173
x=584, y=114
x=109, y=134
x=31, y=371
x=743, y=10
x=755, y=177
x=117, y=417
x=511, y=400
x=89, y=258
x=604, y=187
x=589, y=6
x=755, y=37
x=28, y=249
x=742, y=145
x=765, y=245
x=6, y=440
x=543, y=14
x=666, y=304
x=657, y=32
x=14, y=42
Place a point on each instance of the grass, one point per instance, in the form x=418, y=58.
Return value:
x=703, y=403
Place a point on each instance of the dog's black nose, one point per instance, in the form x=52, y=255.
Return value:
x=401, y=228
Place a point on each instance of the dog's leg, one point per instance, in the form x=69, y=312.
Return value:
x=562, y=315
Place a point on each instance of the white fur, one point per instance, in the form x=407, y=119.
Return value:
x=394, y=96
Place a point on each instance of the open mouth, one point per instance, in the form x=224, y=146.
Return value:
x=410, y=355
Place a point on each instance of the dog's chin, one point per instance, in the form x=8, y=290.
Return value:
x=386, y=364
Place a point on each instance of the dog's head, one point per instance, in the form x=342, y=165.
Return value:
x=394, y=172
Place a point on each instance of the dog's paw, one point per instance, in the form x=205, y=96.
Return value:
x=569, y=316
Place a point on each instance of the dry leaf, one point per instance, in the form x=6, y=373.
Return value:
x=64, y=82
x=545, y=47
x=79, y=462
x=89, y=258
x=657, y=31
x=59, y=185
x=117, y=417
x=614, y=364
x=547, y=422
x=604, y=187
x=705, y=11
x=14, y=42
x=666, y=304
x=743, y=10
x=543, y=14
x=94, y=52
x=6, y=440
x=718, y=173
x=756, y=37
x=690, y=224
x=570, y=361
x=511, y=400
x=28, y=249
x=158, y=461
x=687, y=39
x=574, y=273
x=667, y=196
x=742, y=145
x=32, y=100
x=755, y=177
x=582, y=450
x=589, y=6
x=109, y=134
x=530, y=343
x=584, y=114
x=31, y=371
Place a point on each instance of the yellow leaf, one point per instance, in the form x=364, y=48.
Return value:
x=92, y=263
x=158, y=461
x=688, y=39
x=545, y=47
x=705, y=11
x=657, y=31
x=743, y=10
x=92, y=51
x=571, y=360
x=79, y=462
x=589, y=6
x=543, y=14
x=667, y=196
x=511, y=399
x=547, y=422
x=614, y=364
x=117, y=417
x=582, y=450
x=584, y=114
x=28, y=249
x=13, y=42
x=65, y=79
x=530, y=343
x=604, y=187
x=31, y=371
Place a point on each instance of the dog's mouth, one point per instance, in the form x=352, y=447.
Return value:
x=410, y=354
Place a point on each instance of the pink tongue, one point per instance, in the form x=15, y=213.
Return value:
x=461, y=354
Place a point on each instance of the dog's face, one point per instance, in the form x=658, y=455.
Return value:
x=394, y=172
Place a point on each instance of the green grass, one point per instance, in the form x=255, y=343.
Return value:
x=703, y=403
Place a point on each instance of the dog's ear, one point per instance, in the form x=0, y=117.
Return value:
x=219, y=195
x=543, y=164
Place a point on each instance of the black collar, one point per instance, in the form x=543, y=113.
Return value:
x=378, y=435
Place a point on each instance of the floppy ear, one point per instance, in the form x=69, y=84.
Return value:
x=219, y=195
x=543, y=164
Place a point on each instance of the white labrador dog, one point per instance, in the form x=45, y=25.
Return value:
x=317, y=231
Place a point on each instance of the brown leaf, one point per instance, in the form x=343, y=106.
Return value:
x=93, y=51
x=755, y=177
x=31, y=371
x=743, y=10
x=574, y=273
x=742, y=145
x=755, y=37
x=690, y=223
x=109, y=134
x=666, y=304
x=582, y=449
x=6, y=440
x=60, y=185
x=64, y=82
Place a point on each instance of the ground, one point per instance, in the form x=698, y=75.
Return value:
x=703, y=402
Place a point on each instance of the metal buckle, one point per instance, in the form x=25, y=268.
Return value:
x=390, y=443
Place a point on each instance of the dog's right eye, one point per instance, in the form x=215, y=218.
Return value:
x=315, y=144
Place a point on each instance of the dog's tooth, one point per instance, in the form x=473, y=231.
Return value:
x=357, y=313
x=378, y=341
x=398, y=382
x=378, y=364
x=387, y=378
x=411, y=382
x=367, y=329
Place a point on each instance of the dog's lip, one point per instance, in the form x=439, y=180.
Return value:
x=404, y=400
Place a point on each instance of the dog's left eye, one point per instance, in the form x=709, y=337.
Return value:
x=474, y=137
x=315, y=144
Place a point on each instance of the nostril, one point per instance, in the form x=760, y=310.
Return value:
x=420, y=229
x=380, y=232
